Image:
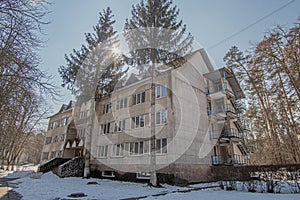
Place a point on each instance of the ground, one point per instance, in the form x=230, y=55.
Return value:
x=48, y=186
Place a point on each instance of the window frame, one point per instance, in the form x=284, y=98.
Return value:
x=139, y=98
x=163, y=117
x=139, y=146
x=102, y=151
x=162, y=148
x=160, y=91
x=136, y=121
x=120, y=152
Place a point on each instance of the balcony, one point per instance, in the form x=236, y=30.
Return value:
x=221, y=111
x=242, y=124
x=214, y=134
x=234, y=159
x=217, y=91
x=231, y=133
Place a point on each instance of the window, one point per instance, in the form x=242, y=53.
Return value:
x=48, y=140
x=56, y=124
x=62, y=137
x=143, y=175
x=52, y=155
x=65, y=121
x=108, y=174
x=107, y=108
x=51, y=125
x=102, y=151
x=122, y=103
x=45, y=155
x=136, y=148
x=138, y=121
x=55, y=139
x=118, y=150
x=119, y=126
x=138, y=98
x=161, y=117
x=81, y=133
x=161, y=146
x=161, y=91
x=59, y=154
x=84, y=114
x=105, y=128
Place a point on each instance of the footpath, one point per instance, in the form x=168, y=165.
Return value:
x=6, y=192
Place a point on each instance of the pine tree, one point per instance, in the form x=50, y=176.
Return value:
x=154, y=35
x=269, y=73
x=95, y=65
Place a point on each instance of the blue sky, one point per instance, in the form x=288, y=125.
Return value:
x=209, y=21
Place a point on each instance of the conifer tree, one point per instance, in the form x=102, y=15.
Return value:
x=155, y=35
x=269, y=74
x=96, y=64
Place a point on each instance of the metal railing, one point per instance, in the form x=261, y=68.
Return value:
x=221, y=109
x=229, y=159
x=221, y=87
x=243, y=124
x=214, y=134
x=215, y=88
x=231, y=133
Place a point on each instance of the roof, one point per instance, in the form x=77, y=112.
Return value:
x=64, y=108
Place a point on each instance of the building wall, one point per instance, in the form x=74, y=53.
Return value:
x=57, y=134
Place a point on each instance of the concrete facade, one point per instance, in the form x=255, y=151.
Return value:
x=196, y=122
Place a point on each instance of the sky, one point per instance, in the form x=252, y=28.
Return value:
x=209, y=21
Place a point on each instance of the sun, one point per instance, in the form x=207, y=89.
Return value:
x=116, y=50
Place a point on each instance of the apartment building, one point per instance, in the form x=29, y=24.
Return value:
x=197, y=124
x=61, y=137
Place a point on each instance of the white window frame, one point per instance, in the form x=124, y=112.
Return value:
x=139, y=98
x=162, y=114
x=143, y=175
x=159, y=148
x=84, y=114
x=139, y=118
x=56, y=139
x=122, y=103
x=81, y=133
x=62, y=138
x=136, y=145
x=118, y=150
x=105, y=128
x=160, y=91
x=119, y=126
x=66, y=121
x=107, y=108
x=102, y=151
x=110, y=176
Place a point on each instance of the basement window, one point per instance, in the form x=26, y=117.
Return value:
x=108, y=173
x=143, y=175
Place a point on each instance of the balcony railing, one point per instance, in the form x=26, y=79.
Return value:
x=231, y=133
x=215, y=88
x=230, y=159
x=243, y=124
x=221, y=109
x=214, y=134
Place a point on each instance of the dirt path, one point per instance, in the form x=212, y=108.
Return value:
x=6, y=192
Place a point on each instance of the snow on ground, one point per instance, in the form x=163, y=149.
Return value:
x=50, y=187
x=21, y=171
x=226, y=195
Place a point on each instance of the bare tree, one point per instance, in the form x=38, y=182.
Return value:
x=22, y=84
x=270, y=73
